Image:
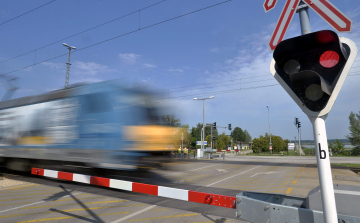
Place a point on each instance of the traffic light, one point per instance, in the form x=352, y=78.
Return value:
x=312, y=69
x=214, y=125
x=296, y=121
x=299, y=125
x=213, y=138
x=229, y=127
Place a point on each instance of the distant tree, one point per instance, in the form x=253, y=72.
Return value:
x=354, y=136
x=223, y=141
x=238, y=134
x=208, y=140
x=247, y=136
x=170, y=120
x=196, y=133
x=337, y=147
x=262, y=144
x=184, y=132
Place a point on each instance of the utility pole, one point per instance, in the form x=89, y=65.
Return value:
x=182, y=140
x=269, y=128
x=68, y=64
x=203, y=127
x=298, y=126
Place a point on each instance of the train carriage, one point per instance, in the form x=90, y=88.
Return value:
x=98, y=125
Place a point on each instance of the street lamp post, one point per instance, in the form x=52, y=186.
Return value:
x=68, y=64
x=203, y=130
x=269, y=127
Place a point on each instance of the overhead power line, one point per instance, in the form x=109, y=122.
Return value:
x=122, y=35
x=220, y=92
x=213, y=82
x=27, y=12
x=76, y=34
x=190, y=96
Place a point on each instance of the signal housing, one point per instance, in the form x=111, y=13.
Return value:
x=312, y=69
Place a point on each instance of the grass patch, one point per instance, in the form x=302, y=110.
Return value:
x=356, y=165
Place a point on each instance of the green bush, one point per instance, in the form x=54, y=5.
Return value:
x=355, y=151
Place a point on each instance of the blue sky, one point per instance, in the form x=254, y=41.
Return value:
x=222, y=48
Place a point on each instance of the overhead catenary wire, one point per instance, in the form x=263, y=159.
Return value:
x=26, y=12
x=214, y=82
x=220, y=92
x=122, y=35
x=225, y=85
x=87, y=30
x=186, y=97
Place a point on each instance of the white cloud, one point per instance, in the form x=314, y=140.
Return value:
x=148, y=65
x=129, y=58
x=90, y=68
x=82, y=71
x=55, y=65
x=176, y=70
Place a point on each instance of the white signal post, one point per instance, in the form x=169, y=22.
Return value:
x=324, y=169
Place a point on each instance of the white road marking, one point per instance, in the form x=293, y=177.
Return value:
x=192, y=170
x=35, y=203
x=266, y=173
x=347, y=192
x=232, y=176
x=133, y=214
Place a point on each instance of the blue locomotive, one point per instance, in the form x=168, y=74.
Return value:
x=98, y=125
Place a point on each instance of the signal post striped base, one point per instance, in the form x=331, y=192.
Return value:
x=168, y=192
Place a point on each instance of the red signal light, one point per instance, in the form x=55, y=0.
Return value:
x=325, y=37
x=208, y=199
x=329, y=59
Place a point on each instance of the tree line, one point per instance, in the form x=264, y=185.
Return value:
x=193, y=134
x=337, y=147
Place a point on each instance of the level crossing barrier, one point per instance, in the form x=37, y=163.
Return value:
x=168, y=192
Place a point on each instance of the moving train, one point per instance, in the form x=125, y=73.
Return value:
x=99, y=125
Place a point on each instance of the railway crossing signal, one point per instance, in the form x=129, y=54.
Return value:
x=312, y=69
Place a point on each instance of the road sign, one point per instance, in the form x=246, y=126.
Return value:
x=324, y=8
x=283, y=23
x=270, y=147
x=291, y=146
x=199, y=143
x=331, y=14
x=269, y=4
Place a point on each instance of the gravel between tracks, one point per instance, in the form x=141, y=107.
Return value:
x=9, y=181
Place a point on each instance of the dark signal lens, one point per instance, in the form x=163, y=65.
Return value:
x=291, y=67
x=329, y=59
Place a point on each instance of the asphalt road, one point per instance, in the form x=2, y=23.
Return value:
x=49, y=200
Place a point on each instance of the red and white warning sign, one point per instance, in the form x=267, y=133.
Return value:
x=269, y=4
x=331, y=14
x=324, y=8
x=283, y=23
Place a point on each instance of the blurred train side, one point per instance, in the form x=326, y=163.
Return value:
x=98, y=125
